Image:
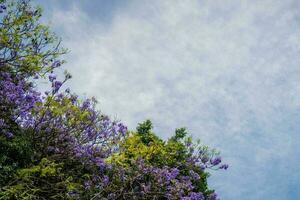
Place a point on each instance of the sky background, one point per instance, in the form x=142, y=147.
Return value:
x=228, y=70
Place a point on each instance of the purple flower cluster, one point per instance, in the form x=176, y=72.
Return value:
x=213, y=196
x=62, y=126
x=66, y=127
x=79, y=129
x=201, y=156
x=149, y=182
x=2, y=8
x=17, y=99
x=71, y=131
x=194, y=196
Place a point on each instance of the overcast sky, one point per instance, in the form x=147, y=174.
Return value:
x=228, y=70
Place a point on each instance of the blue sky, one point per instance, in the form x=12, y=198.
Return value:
x=228, y=70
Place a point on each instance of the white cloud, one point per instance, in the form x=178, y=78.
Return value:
x=228, y=70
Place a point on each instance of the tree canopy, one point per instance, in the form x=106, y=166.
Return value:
x=55, y=146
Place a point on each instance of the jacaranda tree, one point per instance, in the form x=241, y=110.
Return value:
x=54, y=145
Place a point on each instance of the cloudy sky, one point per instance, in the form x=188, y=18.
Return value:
x=228, y=70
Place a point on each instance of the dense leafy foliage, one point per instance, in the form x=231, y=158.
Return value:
x=171, y=168
x=55, y=146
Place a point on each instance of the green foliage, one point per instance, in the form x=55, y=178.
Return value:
x=26, y=45
x=46, y=180
x=154, y=151
x=144, y=131
x=62, y=148
x=15, y=153
x=144, y=127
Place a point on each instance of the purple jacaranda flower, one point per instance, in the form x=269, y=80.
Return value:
x=194, y=175
x=9, y=134
x=86, y=104
x=194, y=196
x=212, y=196
x=100, y=163
x=122, y=128
x=56, y=86
x=2, y=8
x=105, y=180
x=204, y=159
x=52, y=77
x=174, y=173
x=202, y=167
x=73, y=98
x=224, y=166
x=29, y=97
x=87, y=184
x=2, y=123
x=215, y=161
x=56, y=64
x=48, y=130
x=111, y=196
